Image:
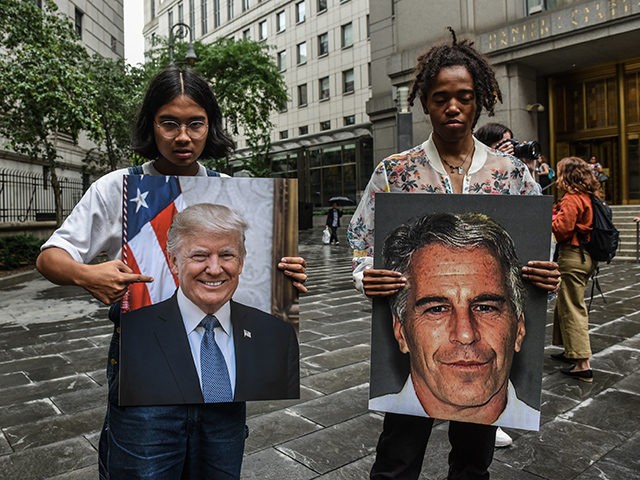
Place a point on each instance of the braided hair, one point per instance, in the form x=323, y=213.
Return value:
x=485, y=85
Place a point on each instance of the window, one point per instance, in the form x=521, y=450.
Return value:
x=153, y=7
x=300, y=12
x=322, y=6
x=301, y=53
x=302, y=95
x=303, y=130
x=284, y=134
x=180, y=13
x=326, y=125
x=245, y=5
x=203, y=19
x=323, y=87
x=230, y=9
x=246, y=34
x=170, y=19
x=114, y=44
x=349, y=120
x=262, y=30
x=348, y=85
x=323, y=44
x=368, y=27
x=78, y=22
x=216, y=13
x=281, y=21
x=347, y=35
x=282, y=60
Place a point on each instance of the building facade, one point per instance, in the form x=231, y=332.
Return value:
x=569, y=71
x=323, y=137
x=26, y=198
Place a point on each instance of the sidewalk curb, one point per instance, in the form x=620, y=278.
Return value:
x=21, y=277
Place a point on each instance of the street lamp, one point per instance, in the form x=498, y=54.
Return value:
x=180, y=31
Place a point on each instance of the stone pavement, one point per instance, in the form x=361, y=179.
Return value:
x=53, y=347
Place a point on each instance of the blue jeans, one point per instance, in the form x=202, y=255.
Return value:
x=169, y=442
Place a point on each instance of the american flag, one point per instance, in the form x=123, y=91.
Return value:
x=149, y=204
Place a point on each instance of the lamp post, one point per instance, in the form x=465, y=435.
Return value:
x=180, y=31
x=404, y=119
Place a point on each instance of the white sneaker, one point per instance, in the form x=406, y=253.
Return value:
x=502, y=439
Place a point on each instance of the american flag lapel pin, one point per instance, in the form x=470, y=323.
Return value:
x=247, y=334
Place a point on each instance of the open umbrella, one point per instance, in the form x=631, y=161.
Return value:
x=341, y=201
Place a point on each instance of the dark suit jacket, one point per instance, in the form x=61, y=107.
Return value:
x=156, y=366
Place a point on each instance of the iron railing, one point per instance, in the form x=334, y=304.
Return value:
x=28, y=196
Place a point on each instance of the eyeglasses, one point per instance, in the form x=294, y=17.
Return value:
x=170, y=129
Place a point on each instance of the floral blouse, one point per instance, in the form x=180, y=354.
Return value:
x=420, y=170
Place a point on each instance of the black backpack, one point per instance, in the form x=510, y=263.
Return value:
x=604, y=239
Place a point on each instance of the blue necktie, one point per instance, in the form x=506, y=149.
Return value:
x=216, y=386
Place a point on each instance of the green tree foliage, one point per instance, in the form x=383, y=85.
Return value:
x=247, y=84
x=118, y=93
x=45, y=89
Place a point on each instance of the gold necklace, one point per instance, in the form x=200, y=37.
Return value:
x=458, y=168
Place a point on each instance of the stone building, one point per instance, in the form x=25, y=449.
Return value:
x=569, y=71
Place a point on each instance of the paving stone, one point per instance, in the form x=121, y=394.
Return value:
x=618, y=360
x=275, y=428
x=335, y=446
x=627, y=453
x=622, y=328
x=267, y=406
x=271, y=464
x=24, y=393
x=62, y=346
x=339, y=378
x=358, y=470
x=342, y=341
x=502, y=471
x=308, y=351
x=53, y=429
x=99, y=376
x=79, y=400
x=13, y=379
x=82, y=333
x=31, y=364
x=86, y=473
x=563, y=386
x=335, y=408
x=337, y=358
x=26, y=412
x=88, y=358
x=94, y=438
x=51, y=372
x=48, y=461
x=629, y=384
x=552, y=454
x=611, y=411
x=5, y=448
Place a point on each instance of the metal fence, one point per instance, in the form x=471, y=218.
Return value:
x=27, y=196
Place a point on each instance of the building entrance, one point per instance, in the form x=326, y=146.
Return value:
x=606, y=151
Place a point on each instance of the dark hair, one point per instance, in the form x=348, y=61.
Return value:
x=163, y=88
x=461, y=231
x=485, y=85
x=575, y=175
x=491, y=133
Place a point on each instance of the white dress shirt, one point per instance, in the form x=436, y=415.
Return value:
x=516, y=413
x=192, y=316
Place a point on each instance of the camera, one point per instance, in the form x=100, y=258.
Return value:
x=529, y=150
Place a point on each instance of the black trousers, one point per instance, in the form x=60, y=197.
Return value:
x=403, y=442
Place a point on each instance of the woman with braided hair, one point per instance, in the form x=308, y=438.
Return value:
x=453, y=83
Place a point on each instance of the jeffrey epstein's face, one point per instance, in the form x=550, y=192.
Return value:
x=208, y=268
x=459, y=330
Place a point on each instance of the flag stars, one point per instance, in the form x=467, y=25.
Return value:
x=140, y=200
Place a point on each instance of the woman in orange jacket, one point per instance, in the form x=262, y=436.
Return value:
x=571, y=224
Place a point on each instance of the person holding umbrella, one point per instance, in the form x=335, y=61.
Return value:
x=333, y=221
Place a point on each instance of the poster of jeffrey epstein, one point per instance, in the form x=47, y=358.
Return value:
x=464, y=340
x=218, y=323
